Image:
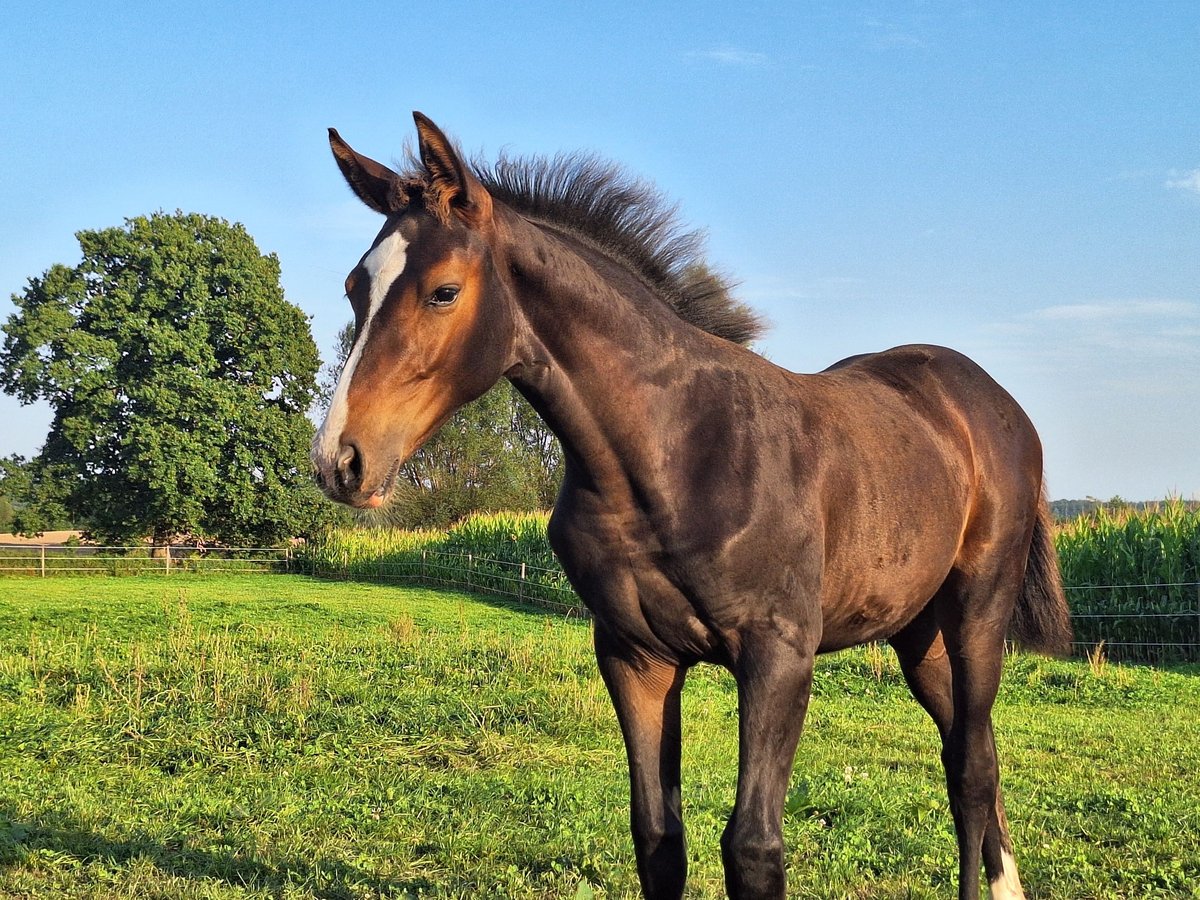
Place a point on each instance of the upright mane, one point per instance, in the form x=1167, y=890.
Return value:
x=626, y=218
x=632, y=222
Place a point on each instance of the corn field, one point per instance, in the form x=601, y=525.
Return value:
x=506, y=554
x=1132, y=581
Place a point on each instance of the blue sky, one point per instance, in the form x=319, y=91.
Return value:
x=1018, y=180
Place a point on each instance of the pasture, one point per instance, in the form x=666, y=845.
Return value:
x=285, y=737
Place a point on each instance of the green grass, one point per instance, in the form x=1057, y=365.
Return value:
x=281, y=737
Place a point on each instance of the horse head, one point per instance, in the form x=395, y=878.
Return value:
x=432, y=314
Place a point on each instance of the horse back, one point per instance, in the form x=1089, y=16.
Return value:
x=943, y=390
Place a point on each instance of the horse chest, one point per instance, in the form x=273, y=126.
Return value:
x=634, y=588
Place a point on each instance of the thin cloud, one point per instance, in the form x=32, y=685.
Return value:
x=1110, y=323
x=1120, y=310
x=828, y=288
x=889, y=35
x=1114, y=342
x=347, y=218
x=1185, y=181
x=732, y=56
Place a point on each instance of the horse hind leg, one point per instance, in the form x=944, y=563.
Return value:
x=921, y=650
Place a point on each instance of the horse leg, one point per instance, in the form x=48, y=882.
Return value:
x=973, y=609
x=646, y=694
x=926, y=667
x=774, y=679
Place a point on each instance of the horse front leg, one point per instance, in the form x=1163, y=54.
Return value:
x=645, y=693
x=774, y=680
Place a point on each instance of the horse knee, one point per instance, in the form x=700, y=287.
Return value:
x=753, y=860
x=973, y=790
x=972, y=773
x=658, y=832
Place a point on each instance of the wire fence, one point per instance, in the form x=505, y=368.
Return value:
x=526, y=583
x=1155, y=623
x=1152, y=622
x=47, y=560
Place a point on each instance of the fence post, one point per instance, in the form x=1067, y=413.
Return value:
x=521, y=584
x=423, y=579
x=43, y=546
x=470, y=566
x=167, y=558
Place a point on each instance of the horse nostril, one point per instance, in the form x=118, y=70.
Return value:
x=350, y=467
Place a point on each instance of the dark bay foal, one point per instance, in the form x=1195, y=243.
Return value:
x=716, y=508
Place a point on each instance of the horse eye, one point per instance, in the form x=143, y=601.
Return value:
x=444, y=296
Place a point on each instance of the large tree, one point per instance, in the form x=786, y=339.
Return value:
x=179, y=377
x=493, y=454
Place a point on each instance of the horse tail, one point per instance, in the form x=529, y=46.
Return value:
x=1042, y=620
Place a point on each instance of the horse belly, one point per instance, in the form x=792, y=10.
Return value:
x=873, y=612
x=873, y=589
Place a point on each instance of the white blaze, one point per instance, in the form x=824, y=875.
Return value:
x=384, y=264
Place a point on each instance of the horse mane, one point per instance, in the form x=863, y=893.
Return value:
x=630, y=221
x=624, y=217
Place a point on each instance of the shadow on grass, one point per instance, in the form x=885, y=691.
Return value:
x=53, y=836
x=479, y=594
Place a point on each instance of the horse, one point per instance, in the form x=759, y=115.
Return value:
x=715, y=507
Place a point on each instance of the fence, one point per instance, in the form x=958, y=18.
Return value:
x=83, y=559
x=1157, y=623
x=523, y=582
x=526, y=583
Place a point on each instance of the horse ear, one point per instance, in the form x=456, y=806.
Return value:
x=375, y=184
x=455, y=188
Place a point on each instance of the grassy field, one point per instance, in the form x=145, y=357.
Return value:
x=281, y=737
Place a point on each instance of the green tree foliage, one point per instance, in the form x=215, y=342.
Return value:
x=494, y=454
x=13, y=487
x=179, y=378
x=477, y=462
x=27, y=505
x=9, y=489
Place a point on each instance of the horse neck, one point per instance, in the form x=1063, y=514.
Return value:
x=601, y=357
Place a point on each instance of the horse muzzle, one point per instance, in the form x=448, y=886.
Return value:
x=348, y=479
